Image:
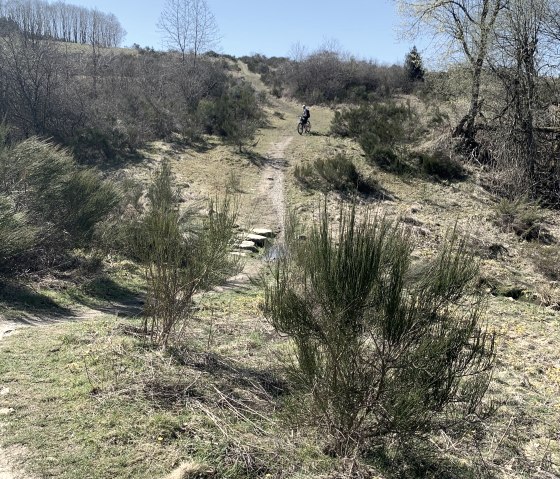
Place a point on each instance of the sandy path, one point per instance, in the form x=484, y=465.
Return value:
x=271, y=187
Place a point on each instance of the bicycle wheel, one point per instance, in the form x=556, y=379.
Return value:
x=308, y=127
x=300, y=128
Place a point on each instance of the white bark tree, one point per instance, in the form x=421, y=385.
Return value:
x=39, y=19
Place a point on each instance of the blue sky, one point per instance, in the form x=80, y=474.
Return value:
x=364, y=28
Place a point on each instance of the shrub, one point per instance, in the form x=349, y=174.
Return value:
x=383, y=157
x=96, y=144
x=326, y=75
x=59, y=204
x=379, y=129
x=305, y=174
x=182, y=255
x=523, y=217
x=380, y=351
x=67, y=200
x=235, y=116
x=385, y=124
x=338, y=173
x=442, y=166
x=17, y=236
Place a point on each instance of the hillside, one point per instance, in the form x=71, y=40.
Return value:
x=83, y=395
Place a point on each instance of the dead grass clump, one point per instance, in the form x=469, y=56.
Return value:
x=547, y=295
x=523, y=217
x=547, y=261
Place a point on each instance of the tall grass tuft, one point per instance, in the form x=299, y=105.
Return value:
x=524, y=217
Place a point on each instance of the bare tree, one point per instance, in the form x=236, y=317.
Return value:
x=30, y=74
x=205, y=30
x=469, y=26
x=523, y=60
x=519, y=38
x=188, y=26
x=174, y=24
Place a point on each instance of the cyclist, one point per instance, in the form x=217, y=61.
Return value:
x=305, y=116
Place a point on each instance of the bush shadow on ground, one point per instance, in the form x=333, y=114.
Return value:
x=121, y=160
x=255, y=158
x=200, y=145
x=105, y=295
x=423, y=461
x=21, y=303
x=265, y=383
x=317, y=133
x=177, y=146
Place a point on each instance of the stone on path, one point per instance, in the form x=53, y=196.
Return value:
x=259, y=240
x=248, y=246
x=264, y=232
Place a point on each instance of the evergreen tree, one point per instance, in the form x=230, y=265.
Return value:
x=413, y=66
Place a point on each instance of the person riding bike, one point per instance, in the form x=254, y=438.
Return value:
x=305, y=116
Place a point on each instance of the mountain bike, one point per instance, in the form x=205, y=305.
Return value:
x=303, y=127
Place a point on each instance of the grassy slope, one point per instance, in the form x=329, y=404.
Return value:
x=91, y=401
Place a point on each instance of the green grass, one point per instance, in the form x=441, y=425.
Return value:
x=116, y=285
x=93, y=400
x=16, y=297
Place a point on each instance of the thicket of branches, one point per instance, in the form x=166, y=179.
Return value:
x=60, y=21
x=508, y=54
x=104, y=104
x=329, y=76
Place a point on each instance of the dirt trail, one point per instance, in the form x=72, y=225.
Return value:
x=271, y=187
x=270, y=191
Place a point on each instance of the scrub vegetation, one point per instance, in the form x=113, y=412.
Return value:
x=190, y=289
